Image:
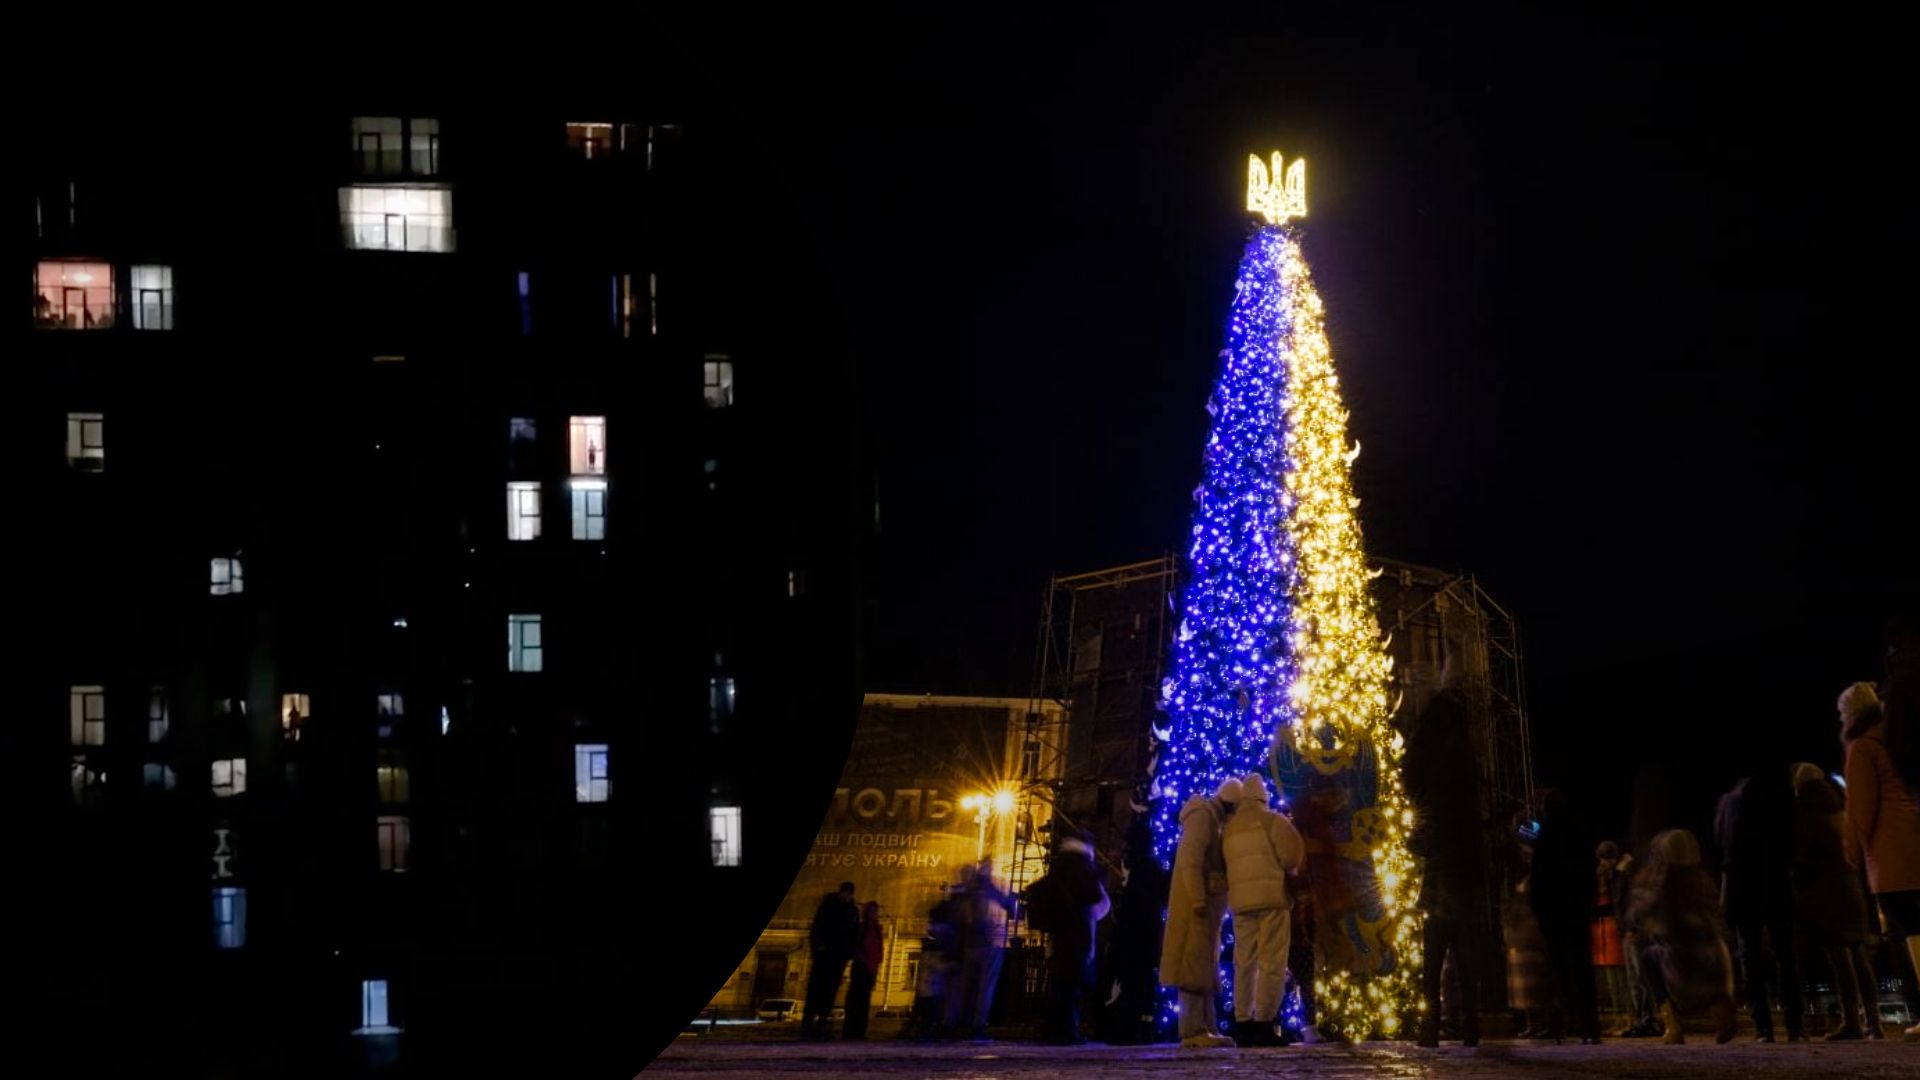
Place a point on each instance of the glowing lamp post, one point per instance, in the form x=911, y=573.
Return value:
x=985, y=806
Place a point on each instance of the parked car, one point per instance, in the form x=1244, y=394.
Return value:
x=774, y=1009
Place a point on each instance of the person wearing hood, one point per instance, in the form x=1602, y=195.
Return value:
x=1829, y=904
x=1883, y=805
x=1261, y=847
x=1196, y=903
x=1066, y=903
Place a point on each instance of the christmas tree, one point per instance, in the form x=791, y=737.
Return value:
x=1279, y=664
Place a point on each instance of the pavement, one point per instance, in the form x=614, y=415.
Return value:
x=711, y=1058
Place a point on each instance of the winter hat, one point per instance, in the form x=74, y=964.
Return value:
x=1857, y=699
x=1607, y=851
x=1254, y=788
x=1806, y=775
x=1230, y=790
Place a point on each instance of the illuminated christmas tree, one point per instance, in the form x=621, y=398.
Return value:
x=1279, y=664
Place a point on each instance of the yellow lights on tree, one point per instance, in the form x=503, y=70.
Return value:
x=1277, y=195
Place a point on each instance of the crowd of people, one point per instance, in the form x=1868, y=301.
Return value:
x=1814, y=871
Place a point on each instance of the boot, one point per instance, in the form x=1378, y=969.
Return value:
x=1429, y=1032
x=1726, y=1025
x=1670, y=1017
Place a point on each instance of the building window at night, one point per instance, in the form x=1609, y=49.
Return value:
x=376, y=145
x=1030, y=759
x=719, y=702
x=653, y=303
x=523, y=510
x=87, y=710
x=153, y=298
x=587, y=445
x=591, y=782
x=395, y=835
x=423, y=145
x=589, y=509
x=157, y=776
x=526, y=303
x=796, y=583
x=159, y=714
x=719, y=381
x=294, y=710
x=87, y=441
x=523, y=643
x=397, y=218
x=373, y=1009
x=590, y=141
x=389, y=707
x=229, y=777
x=89, y=783
x=522, y=434
x=227, y=579
x=623, y=304
x=229, y=917
x=73, y=296
x=725, y=827
x=391, y=776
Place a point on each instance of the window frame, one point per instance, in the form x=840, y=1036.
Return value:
x=523, y=525
x=592, y=773
x=724, y=828
x=87, y=714
x=526, y=658
x=583, y=493
x=86, y=454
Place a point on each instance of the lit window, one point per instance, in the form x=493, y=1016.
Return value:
x=725, y=827
x=391, y=776
x=229, y=777
x=159, y=714
x=87, y=709
x=653, y=303
x=229, y=917
x=87, y=441
x=589, y=509
x=153, y=298
x=423, y=146
x=590, y=141
x=227, y=579
x=157, y=776
x=89, y=783
x=590, y=780
x=523, y=643
x=389, y=707
x=373, y=1009
x=526, y=304
x=796, y=582
x=397, y=218
x=394, y=833
x=1030, y=759
x=523, y=510
x=73, y=296
x=522, y=433
x=719, y=701
x=294, y=710
x=719, y=381
x=587, y=445
x=376, y=145
x=623, y=304
x=446, y=720
x=232, y=708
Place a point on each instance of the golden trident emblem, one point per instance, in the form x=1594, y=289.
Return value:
x=1272, y=198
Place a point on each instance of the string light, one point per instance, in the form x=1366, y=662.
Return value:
x=1278, y=651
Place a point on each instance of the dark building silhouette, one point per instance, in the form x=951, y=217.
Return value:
x=445, y=647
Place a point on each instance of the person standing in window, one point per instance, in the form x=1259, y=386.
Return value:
x=867, y=958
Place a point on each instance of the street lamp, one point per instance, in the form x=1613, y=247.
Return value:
x=985, y=805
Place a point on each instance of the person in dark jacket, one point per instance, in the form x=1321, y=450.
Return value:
x=1451, y=841
x=867, y=957
x=1563, y=892
x=1138, y=913
x=1755, y=831
x=1076, y=901
x=1829, y=904
x=834, y=936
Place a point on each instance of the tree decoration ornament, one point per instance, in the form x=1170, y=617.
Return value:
x=1279, y=664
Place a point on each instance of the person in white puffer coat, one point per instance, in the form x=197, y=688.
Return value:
x=1261, y=848
x=1196, y=902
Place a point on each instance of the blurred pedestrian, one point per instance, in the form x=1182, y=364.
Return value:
x=1196, y=904
x=834, y=935
x=1451, y=840
x=1883, y=804
x=1609, y=959
x=1134, y=949
x=1260, y=848
x=939, y=959
x=867, y=957
x=981, y=907
x=1065, y=904
x=1829, y=905
x=1642, y=1024
x=1530, y=983
x=1676, y=913
x=1562, y=896
x=1754, y=828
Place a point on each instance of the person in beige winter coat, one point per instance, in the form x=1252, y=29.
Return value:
x=1261, y=848
x=1196, y=902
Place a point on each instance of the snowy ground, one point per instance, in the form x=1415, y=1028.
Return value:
x=717, y=1057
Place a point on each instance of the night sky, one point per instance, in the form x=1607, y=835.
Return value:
x=1615, y=309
